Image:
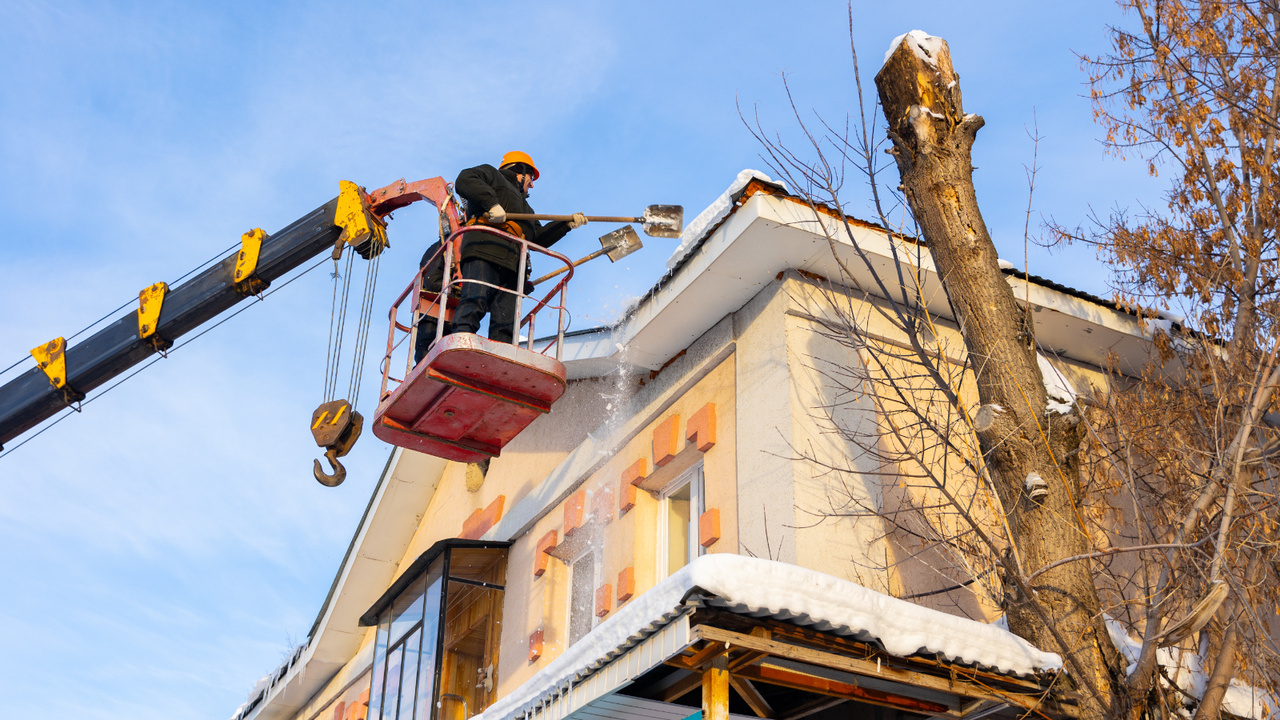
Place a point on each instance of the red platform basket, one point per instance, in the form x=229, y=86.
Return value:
x=469, y=396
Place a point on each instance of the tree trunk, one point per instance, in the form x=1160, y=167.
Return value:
x=933, y=139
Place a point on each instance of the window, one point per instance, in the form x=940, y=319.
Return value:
x=436, y=651
x=584, y=578
x=679, y=510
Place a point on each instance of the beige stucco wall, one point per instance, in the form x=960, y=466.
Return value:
x=789, y=482
x=831, y=392
x=626, y=539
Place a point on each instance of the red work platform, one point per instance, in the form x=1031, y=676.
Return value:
x=468, y=398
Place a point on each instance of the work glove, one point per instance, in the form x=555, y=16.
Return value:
x=496, y=215
x=578, y=221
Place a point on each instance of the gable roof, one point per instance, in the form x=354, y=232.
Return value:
x=764, y=230
x=757, y=231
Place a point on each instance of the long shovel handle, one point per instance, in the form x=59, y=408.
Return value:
x=576, y=263
x=566, y=218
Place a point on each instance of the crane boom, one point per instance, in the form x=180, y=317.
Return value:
x=31, y=398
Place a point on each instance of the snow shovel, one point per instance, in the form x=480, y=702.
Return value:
x=617, y=245
x=659, y=220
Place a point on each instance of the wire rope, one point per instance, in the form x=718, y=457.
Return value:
x=333, y=315
x=360, y=356
x=157, y=358
x=333, y=362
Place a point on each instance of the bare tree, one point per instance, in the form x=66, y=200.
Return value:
x=1151, y=504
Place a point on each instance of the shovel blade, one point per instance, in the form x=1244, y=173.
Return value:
x=620, y=243
x=664, y=221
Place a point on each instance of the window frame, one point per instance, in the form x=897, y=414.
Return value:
x=695, y=479
x=597, y=573
x=432, y=569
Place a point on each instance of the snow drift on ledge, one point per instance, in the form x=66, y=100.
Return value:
x=763, y=587
x=714, y=213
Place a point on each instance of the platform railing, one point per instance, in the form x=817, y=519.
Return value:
x=451, y=286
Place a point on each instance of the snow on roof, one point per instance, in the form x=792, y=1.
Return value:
x=714, y=213
x=925, y=46
x=1240, y=699
x=764, y=588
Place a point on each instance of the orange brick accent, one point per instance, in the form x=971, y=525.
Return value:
x=666, y=441
x=546, y=544
x=604, y=599
x=636, y=474
x=574, y=511
x=626, y=584
x=535, y=645
x=480, y=521
x=360, y=708
x=709, y=527
x=338, y=709
x=701, y=430
x=626, y=497
x=602, y=505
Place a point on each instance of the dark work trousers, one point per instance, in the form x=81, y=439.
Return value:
x=477, y=300
x=427, y=337
x=432, y=279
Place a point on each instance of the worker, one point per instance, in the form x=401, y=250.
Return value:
x=491, y=193
x=432, y=265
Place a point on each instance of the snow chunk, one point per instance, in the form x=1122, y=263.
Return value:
x=1056, y=385
x=763, y=588
x=925, y=46
x=1035, y=486
x=1186, y=670
x=1154, y=325
x=1005, y=264
x=714, y=213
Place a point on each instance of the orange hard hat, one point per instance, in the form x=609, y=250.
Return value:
x=515, y=156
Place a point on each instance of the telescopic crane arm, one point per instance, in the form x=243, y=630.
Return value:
x=64, y=375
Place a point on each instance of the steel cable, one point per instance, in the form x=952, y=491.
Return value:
x=362, y=337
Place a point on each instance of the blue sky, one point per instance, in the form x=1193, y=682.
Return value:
x=168, y=545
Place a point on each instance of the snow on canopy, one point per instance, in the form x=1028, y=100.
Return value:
x=1185, y=669
x=714, y=213
x=765, y=588
x=925, y=46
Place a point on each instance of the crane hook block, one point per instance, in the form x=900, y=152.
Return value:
x=246, y=282
x=335, y=426
x=150, y=301
x=361, y=229
x=52, y=359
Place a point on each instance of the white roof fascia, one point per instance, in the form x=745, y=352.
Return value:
x=384, y=534
x=769, y=234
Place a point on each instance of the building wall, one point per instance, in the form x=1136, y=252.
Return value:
x=784, y=473
x=614, y=509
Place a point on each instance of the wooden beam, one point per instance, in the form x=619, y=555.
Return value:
x=750, y=657
x=775, y=675
x=704, y=656
x=680, y=688
x=715, y=689
x=858, y=667
x=846, y=646
x=751, y=695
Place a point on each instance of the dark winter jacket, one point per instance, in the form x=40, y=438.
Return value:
x=433, y=278
x=483, y=187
